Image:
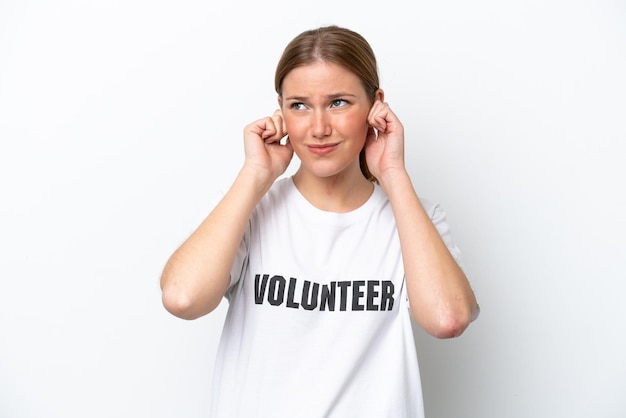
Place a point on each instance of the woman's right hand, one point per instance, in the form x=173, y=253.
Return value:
x=263, y=148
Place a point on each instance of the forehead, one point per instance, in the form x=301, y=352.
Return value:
x=320, y=78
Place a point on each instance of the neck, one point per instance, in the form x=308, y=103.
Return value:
x=341, y=192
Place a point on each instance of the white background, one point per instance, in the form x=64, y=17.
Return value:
x=121, y=120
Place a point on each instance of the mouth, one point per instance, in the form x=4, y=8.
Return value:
x=322, y=149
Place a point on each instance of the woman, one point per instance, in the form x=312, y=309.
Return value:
x=323, y=270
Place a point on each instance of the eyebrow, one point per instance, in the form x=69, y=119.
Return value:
x=327, y=97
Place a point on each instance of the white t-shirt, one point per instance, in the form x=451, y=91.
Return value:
x=318, y=323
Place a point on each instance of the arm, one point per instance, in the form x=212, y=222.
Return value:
x=441, y=299
x=197, y=275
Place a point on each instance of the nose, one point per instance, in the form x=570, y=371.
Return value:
x=320, y=125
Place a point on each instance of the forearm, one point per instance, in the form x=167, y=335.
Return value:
x=197, y=275
x=440, y=296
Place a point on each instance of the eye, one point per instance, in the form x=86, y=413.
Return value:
x=297, y=106
x=338, y=103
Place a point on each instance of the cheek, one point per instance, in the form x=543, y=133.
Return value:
x=355, y=126
x=294, y=129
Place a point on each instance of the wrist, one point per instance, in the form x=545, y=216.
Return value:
x=392, y=178
x=260, y=178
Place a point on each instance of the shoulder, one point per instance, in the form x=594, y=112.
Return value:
x=282, y=190
x=278, y=199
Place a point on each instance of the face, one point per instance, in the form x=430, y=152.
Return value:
x=325, y=110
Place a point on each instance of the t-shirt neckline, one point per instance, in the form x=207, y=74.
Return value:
x=313, y=213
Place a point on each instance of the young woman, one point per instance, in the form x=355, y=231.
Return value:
x=323, y=270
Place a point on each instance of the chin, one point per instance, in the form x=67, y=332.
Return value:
x=325, y=169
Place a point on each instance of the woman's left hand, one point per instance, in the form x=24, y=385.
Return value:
x=384, y=147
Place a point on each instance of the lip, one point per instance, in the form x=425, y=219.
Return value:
x=322, y=149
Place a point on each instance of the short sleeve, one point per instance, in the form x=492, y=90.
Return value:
x=241, y=258
x=438, y=217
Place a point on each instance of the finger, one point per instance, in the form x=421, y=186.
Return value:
x=279, y=122
x=379, y=122
x=269, y=129
x=377, y=116
x=371, y=136
x=275, y=130
x=382, y=118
